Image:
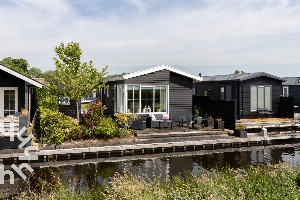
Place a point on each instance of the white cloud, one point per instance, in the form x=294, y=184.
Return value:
x=180, y=34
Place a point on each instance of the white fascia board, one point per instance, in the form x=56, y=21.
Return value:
x=21, y=76
x=162, y=67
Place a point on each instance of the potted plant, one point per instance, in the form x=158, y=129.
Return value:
x=157, y=106
x=197, y=112
x=209, y=122
x=219, y=123
x=240, y=131
x=165, y=119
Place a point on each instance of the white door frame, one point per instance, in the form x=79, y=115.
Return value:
x=2, y=99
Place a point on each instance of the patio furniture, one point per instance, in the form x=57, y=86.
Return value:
x=185, y=119
x=262, y=111
x=162, y=123
x=153, y=121
x=139, y=124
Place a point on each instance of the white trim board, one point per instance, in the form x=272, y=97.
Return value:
x=159, y=68
x=21, y=76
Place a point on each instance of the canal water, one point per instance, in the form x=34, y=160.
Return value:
x=84, y=173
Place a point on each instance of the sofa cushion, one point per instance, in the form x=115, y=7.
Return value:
x=152, y=116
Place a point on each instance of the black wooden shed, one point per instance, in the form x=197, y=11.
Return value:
x=291, y=88
x=16, y=92
x=250, y=91
x=158, y=90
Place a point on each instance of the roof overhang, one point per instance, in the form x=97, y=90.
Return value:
x=159, y=68
x=21, y=76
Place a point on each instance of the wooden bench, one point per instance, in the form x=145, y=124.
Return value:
x=262, y=111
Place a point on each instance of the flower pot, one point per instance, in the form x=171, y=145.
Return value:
x=165, y=120
x=241, y=134
x=219, y=125
x=208, y=123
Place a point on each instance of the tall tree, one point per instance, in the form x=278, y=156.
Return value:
x=35, y=73
x=50, y=76
x=76, y=79
x=20, y=65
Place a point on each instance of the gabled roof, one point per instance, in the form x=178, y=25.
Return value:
x=240, y=77
x=20, y=76
x=155, y=69
x=291, y=81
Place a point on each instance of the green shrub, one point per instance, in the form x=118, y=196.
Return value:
x=48, y=97
x=57, y=127
x=107, y=127
x=93, y=115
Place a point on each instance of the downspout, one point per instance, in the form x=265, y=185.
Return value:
x=242, y=101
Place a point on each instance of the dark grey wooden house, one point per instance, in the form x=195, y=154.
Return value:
x=291, y=88
x=249, y=90
x=159, y=90
x=16, y=92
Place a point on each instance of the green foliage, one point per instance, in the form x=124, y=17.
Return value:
x=93, y=115
x=219, y=119
x=56, y=126
x=35, y=73
x=48, y=97
x=20, y=65
x=197, y=112
x=239, y=72
x=50, y=76
x=125, y=120
x=77, y=79
x=106, y=128
x=240, y=127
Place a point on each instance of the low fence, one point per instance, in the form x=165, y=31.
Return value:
x=286, y=107
x=216, y=109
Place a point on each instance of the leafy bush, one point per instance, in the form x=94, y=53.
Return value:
x=48, y=97
x=93, y=115
x=107, y=127
x=197, y=112
x=240, y=127
x=57, y=127
x=125, y=120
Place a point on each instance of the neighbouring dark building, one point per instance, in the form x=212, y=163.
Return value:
x=17, y=92
x=291, y=88
x=158, y=90
x=251, y=91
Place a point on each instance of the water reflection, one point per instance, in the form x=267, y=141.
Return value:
x=161, y=166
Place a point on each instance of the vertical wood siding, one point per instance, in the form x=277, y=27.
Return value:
x=276, y=93
x=180, y=99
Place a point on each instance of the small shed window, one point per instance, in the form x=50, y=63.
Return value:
x=205, y=93
x=285, y=91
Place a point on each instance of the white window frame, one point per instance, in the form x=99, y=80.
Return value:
x=140, y=86
x=285, y=87
x=261, y=86
x=2, y=99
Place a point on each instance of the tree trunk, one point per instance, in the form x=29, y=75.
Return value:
x=77, y=111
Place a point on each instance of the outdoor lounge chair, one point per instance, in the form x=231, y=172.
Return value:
x=154, y=119
x=185, y=119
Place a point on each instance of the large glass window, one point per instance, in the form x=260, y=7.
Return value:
x=120, y=98
x=133, y=96
x=160, y=99
x=261, y=97
x=146, y=99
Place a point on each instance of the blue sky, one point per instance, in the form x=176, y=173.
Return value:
x=211, y=37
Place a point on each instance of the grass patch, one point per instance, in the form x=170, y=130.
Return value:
x=84, y=106
x=280, y=181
